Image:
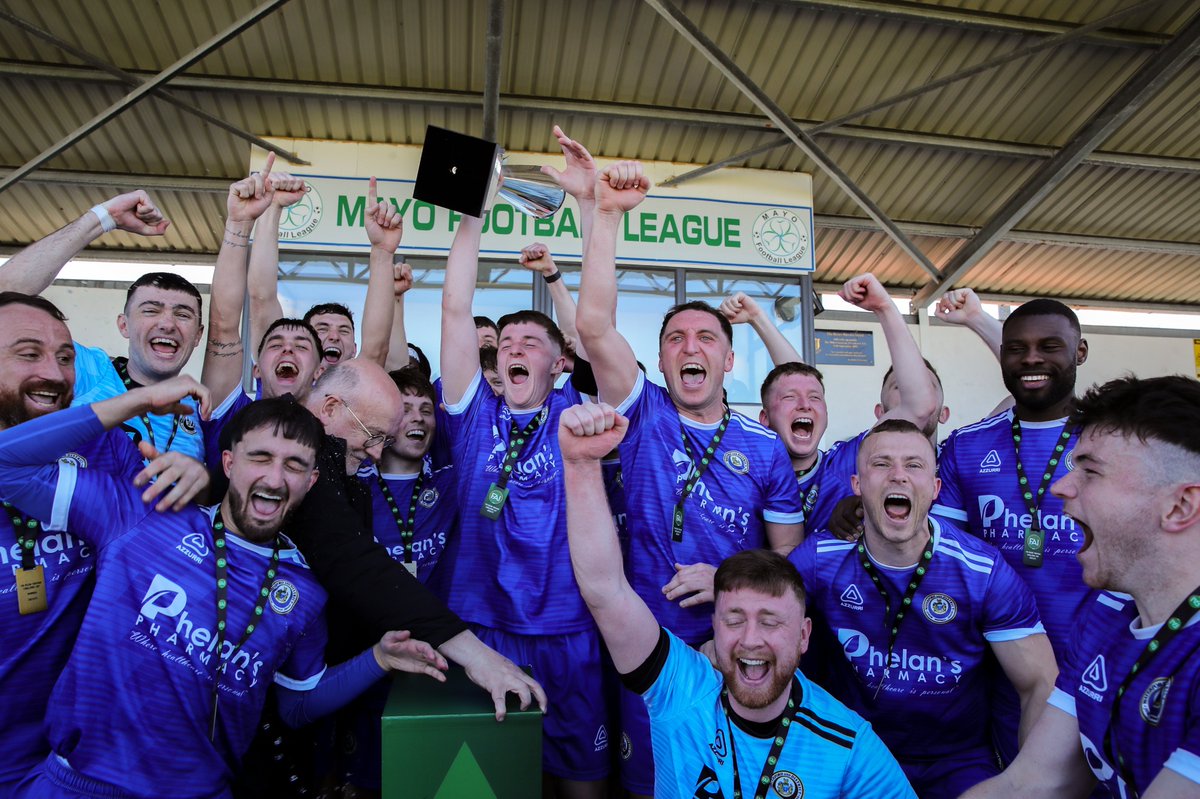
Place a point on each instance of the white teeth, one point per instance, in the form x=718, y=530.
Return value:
x=749, y=662
x=897, y=496
x=419, y=435
x=161, y=340
x=691, y=367
x=269, y=497
x=1034, y=378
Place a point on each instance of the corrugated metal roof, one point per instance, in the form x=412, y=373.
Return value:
x=626, y=84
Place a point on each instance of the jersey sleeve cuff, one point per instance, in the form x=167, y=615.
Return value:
x=639, y=386
x=460, y=407
x=948, y=512
x=1063, y=701
x=775, y=517
x=306, y=684
x=63, y=493
x=1013, y=634
x=1185, y=764
x=222, y=409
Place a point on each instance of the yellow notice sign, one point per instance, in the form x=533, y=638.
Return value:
x=1196, y=351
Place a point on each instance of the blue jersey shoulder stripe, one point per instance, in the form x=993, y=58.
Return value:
x=825, y=734
x=835, y=546
x=958, y=555
x=981, y=560
x=948, y=512
x=751, y=426
x=991, y=421
x=1111, y=600
x=832, y=726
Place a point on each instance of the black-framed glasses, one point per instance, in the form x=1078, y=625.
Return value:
x=373, y=439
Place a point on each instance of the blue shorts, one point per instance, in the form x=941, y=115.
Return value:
x=54, y=780
x=575, y=728
x=949, y=776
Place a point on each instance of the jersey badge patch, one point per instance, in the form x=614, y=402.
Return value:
x=429, y=498
x=1154, y=699
x=990, y=463
x=787, y=785
x=284, y=596
x=626, y=746
x=718, y=745
x=1094, y=681
x=73, y=459
x=188, y=423
x=737, y=462
x=601, y=739
x=939, y=608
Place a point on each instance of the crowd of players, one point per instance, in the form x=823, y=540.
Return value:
x=1008, y=611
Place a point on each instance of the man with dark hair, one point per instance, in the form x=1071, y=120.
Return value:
x=179, y=637
x=916, y=610
x=1124, y=711
x=701, y=481
x=755, y=725
x=489, y=365
x=334, y=322
x=996, y=475
x=487, y=332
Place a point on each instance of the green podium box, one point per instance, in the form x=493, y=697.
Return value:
x=442, y=741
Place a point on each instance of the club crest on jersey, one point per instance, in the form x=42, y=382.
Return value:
x=939, y=608
x=1069, y=461
x=1154, y=700
x=284, y=596
x=601, y=740
x=852, y=598
x=429, y=498
x=787, y=785
x=736, y=461
x=990, y=464
x=73, y=459
x=1094, y=681
x=626, y=746
x=188, y=423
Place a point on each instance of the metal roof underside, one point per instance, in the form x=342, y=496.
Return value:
x=1121, y=225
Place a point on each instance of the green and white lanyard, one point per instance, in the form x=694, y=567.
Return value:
x=695, y=471
x=21, y=524
x=1179, y=619
x=408, y=525
x=260, y=605
x=122, y=367
x=893, y=622
x=497, y=493
x=1035, y=539
x=780, y=738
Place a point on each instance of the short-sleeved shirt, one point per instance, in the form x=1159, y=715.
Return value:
x=968, y=599
x=434, y=521
x=749, y=481
x=980, y=493
x=96, y=379
x=36, y=645
x=140, y=678
x=512, y=573
x=828, y=482
x=829, y=751
x=1159, y=722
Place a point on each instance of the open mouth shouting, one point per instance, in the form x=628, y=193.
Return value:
x=692, y=374
x=287, y=371
x=802, y=427
x=518, y=373
x=898, y=507
x=331, y=354
x=753, y=671
x=164, y=346
x=266, y=504
x=417, y=434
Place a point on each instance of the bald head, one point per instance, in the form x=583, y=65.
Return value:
x=357, y=402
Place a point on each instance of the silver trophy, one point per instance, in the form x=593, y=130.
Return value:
x=526, y=188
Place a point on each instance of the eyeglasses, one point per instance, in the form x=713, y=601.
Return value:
x=373, y=439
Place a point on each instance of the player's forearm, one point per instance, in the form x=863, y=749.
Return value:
x=460, y=347
x=34, y=268
x=989, y=330
x=338, y=686
x=1033, y=704
x=377, y=311
x=397, y=351
x=224, y=352
x=38, y=444
x=595, y=550
x=598, y=281
x=778, y=347
x=262, y=281
x=917, y=397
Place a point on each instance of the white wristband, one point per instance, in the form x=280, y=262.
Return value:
x=107, y=223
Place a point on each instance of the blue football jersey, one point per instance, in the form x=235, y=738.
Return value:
x=514, y=573
x=828, y=482
x=749, y=481
x=215, y=424
x=936, y=680
x=980, y=493
x=614, y=489
x=435, y=520
x=1159, y=720
x=829, y=751
x=97, y=379
x=36, y=645
x=140, y=679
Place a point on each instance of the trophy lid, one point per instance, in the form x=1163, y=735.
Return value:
x=456, y=171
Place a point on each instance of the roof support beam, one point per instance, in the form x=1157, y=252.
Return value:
x=962, y=74
x=130, y=79
x=1154, y=74
x=561, y=106
x=928, y=13
x=491, y=73
x=685, y=27
x=249, y=20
